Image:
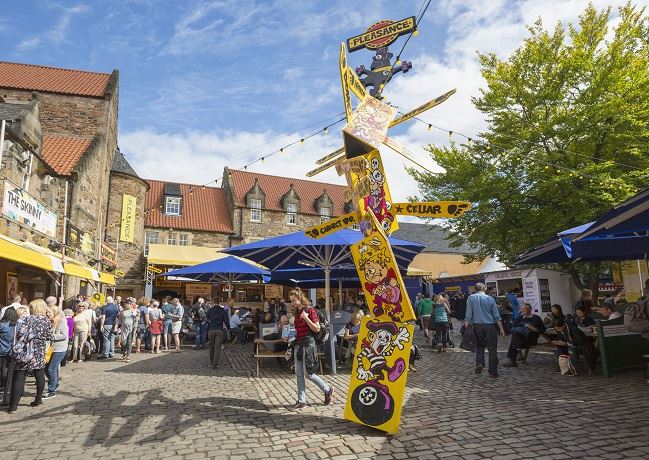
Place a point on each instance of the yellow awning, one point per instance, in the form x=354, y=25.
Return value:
x=107, y=278
x=75, y=268
x=26, y=254
x=166, y=254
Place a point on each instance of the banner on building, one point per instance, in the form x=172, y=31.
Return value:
x=127, y=229
x=108, y=254
x=23, y=208
x=379, y=374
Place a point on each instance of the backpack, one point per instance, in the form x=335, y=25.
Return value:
x=323, y=334
x=23, y=350
x=636, y=318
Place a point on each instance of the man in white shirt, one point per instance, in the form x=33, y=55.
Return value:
x=235, y=327
x=15, y=304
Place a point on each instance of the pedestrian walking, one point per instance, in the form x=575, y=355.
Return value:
x=482, y=313
x=128, y=321
x=177, y=314
x=306, y=357
x=60, y=349
x=440, y=312
x=167, y=313
x=217, y=319
x=29, y=353
x=142, y=327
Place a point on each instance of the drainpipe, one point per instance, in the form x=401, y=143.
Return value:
x=3, y=125
x=65, y=232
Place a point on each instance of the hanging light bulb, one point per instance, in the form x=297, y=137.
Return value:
x=302, y=141
x=415, y=33
x=281, y=150
x=262, y=159
x=398, y=63
x=430, y=127
x=326, y=129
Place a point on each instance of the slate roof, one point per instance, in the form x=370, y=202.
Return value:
x=63, y=153
x=433, y=236
x=9, y=111
x=53, y=79
x=205, y=209
x=276, y=186
x=120, y=164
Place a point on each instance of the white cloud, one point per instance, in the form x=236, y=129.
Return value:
x=497, y=26
x=57, y=34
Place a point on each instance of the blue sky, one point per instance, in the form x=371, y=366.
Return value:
x=205, y=84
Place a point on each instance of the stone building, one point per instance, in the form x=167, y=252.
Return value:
x=261, y=205
x=129, y=254
x=78, y=116
x=184, y=225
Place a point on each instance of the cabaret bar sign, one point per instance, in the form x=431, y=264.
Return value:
x=23, y=208
x=383, y=33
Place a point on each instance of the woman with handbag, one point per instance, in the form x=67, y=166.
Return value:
x=29, y=353
x=128, y=320
x=59, y=350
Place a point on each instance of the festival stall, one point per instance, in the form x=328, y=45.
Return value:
x=538, y=287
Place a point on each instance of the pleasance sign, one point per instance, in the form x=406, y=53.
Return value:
x=382, y=33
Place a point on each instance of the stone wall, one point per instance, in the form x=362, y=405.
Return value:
x=130, y=259
x=273, y=223
x=194, y=237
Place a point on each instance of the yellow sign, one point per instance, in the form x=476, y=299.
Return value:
x=154, y=269
x=119, y=274
x=432, y=208
x=332, y=225
x=161, y=282
x=368, y=126
x=127, y=230
x=382, y=33
x=386, y=296
x=634, y=275
x=379, y=374
x=422, y=108
x=342, y=64
x=198, y=289
x=354, y=84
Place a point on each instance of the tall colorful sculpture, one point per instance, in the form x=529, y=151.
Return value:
x=379, y=372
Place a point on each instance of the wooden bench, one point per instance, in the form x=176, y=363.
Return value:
x=261, y=352
x=620, y=350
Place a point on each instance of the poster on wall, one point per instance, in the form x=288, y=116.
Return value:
x=198, y=289
x=531, y=294
x=12, y=287
x=379, y=374
x=634, y=275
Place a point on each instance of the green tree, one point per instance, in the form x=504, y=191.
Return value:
x=568, y=136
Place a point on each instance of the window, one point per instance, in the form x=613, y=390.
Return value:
x=172, y=205
x=325, y=214
x=183, y=239
x=291, y=213
x=150, y=238
x=255, y=210
x=172, y=238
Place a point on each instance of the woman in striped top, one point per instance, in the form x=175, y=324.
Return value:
x=440, y=323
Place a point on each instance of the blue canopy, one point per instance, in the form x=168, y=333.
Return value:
x=552, y=250
x=228, y=268
x=295, y=250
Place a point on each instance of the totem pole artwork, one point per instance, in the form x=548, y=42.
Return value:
x=379, y=373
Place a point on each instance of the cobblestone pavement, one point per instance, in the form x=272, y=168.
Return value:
x=172, y=405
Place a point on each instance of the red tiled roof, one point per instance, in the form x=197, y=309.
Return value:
x=205, y=209
x=63, y=153
x=275, y=187
x=53, y=79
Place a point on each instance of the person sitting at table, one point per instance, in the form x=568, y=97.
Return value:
x=525, y=332
x=282, y=331
x=235, y=328
x=608, y=310
x=268, y=318
x=351, y=333
x=581, y=330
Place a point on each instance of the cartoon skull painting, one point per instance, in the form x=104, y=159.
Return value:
x=371, y=401
x=376, y=200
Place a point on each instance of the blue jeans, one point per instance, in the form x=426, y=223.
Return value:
x=201, y=333
x=239, y=333
x=301, y=384
x=52, y=370
x=486, y=336
x=109, y=341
